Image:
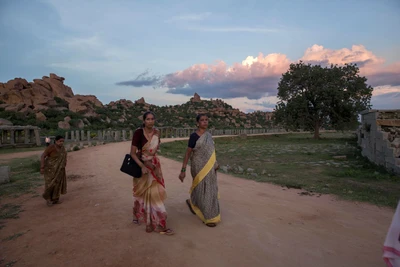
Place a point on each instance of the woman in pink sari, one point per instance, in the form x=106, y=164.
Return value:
x=149, y=190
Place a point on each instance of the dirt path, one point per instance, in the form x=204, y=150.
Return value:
x=263, y=225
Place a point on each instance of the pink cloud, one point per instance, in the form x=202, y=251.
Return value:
x=257, y=77
x=370, y=65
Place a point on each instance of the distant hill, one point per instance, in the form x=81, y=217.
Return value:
x=51, y=105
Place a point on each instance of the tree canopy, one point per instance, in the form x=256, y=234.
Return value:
x=312, y=96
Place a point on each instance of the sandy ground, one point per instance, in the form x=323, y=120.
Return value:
x=262, y=224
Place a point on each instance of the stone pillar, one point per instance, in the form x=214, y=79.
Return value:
x=124, y=135
x=99, y=136
x=108, y=135
x=88, y=138
x=12, y=136
x=82, y=135
x=118, y=136
x=27, y=134
x=130, y=134
x=37, y=137
x=77, y=136
x=18, y=136
x=66, y=136
x=72, y=136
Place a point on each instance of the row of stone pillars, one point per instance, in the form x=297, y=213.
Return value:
x=19, y=136
x=78, y=136
x=165, y=132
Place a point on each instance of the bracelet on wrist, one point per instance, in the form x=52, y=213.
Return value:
x=183, y=170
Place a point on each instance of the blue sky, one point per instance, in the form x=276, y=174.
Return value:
x=220, y=49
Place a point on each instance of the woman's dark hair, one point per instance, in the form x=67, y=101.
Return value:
x=145, y=116
x=198, y=117
x=58, y=137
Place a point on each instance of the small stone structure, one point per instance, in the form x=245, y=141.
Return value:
x=379, y=137
x=19, y=136
x=4, y=174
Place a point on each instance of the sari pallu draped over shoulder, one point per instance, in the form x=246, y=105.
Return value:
x=391, y=247
x=204, y=190
x=149, y=190
x=55, y=176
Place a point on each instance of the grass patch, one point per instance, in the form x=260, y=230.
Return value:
x=18, y=150
x=331, y=165
x=10, y=263
x=25, y=177
x=10, y=211
x=14, y=236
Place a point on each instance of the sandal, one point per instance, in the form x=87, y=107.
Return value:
x=49, y=202
x=190, y=206
x=211, y=224
x=136, y=221
x=57, y=202
x=167, y=232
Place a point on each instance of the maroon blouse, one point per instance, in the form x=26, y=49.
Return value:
x=139, y=139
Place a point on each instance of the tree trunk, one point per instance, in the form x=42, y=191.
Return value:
x=316, y=130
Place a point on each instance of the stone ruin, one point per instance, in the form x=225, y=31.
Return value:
x=379, y=138
x=19, y=136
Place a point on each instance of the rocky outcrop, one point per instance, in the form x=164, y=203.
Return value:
x=40, y=116
x=140, y=101
x=41, y=94
x=195, y=98
x=4, y=122
x=125, y=103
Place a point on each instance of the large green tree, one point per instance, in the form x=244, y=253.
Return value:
x=312, y=96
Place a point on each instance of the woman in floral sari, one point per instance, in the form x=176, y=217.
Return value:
x=149, y=190
x=53, y=163
x=204, y=191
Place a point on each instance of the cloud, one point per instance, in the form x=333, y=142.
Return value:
x=90, y=54
x=249, y=105
x=370, y=65
x=142, y=79
x=387, y=99
x=256, y=77
x=190, y=17
x=233, y=29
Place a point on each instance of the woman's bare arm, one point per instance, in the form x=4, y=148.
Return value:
x=135, y=158
x=186, y=158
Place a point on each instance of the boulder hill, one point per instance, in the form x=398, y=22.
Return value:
x=50, y=97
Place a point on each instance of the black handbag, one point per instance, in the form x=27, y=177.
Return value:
x=130, y=167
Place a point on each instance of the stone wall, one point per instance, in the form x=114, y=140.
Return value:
x=379, y=137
